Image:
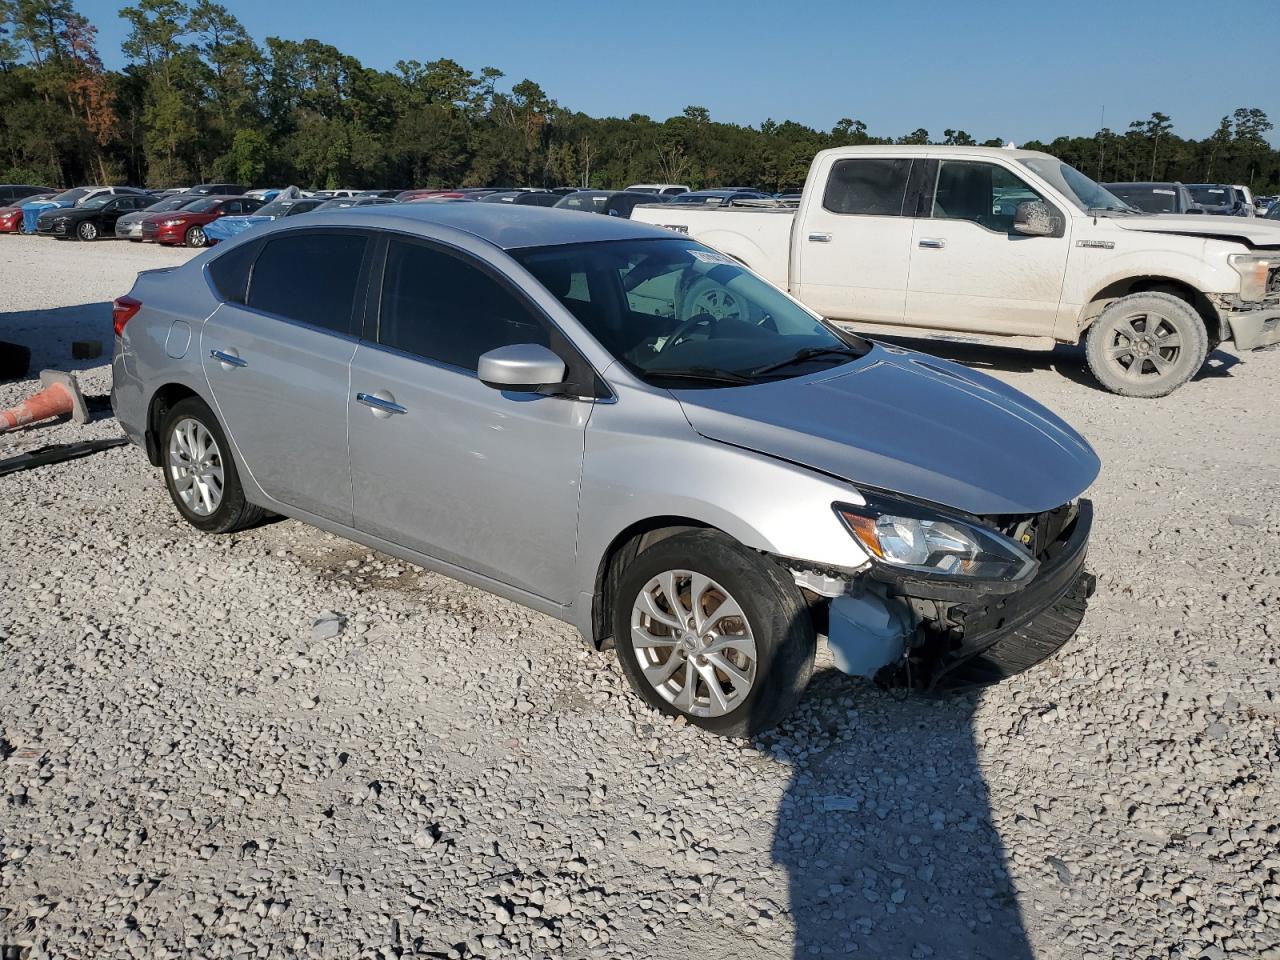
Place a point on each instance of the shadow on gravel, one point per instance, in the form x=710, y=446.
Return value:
x=1067, y=361
x=50, y=333
x=885, y=830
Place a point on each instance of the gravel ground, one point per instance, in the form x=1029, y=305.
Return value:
x=279, y=743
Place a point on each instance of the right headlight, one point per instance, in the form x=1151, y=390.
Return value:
x=1253, y=271
x=908, y=536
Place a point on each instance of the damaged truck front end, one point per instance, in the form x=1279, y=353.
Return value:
x=951, y=600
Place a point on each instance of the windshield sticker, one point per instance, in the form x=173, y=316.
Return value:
x=1167, y=193
x=710, y=256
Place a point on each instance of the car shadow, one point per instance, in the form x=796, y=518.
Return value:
x=50, y=333
x=885, y=829
x=1065, y=359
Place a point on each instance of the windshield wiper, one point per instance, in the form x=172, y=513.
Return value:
x=807, y=353
x=709, y=374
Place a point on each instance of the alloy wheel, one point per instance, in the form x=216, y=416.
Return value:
x=196, y=237
x=693, y=643
x=1144, y=346
x=88, y=231
x=195, y=466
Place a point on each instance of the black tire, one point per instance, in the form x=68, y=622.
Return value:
x=1125, y=351
x=87, y=231
x=773, y=606
x=233, y=512
x=195, y=237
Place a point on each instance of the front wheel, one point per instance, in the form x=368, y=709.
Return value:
x=196, y=237
x=87, y=231
x=200, y=471
x=1146, y=345
x=713, y=632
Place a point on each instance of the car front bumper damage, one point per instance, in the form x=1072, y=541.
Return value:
x=1254, y=325
x=932, y=634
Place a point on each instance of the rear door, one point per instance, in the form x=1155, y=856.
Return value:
x=855, y=241
x=441, y=463
x=277, y=356
x=969, y=270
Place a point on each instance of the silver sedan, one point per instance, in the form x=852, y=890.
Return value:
x=621, y=428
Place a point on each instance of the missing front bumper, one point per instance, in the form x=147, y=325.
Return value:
x=986, y=637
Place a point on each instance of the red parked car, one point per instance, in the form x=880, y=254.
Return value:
x=185, y=227
x=11, y=217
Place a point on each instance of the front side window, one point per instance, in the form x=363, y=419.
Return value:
x=982, y=193
x=437, y=306
x=677, y=313
x=310, y=277
x=873, y=187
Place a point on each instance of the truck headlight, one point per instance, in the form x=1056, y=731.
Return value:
x=909, y=536
x=1253, y=271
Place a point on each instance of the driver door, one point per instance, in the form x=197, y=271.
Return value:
x=969, y=270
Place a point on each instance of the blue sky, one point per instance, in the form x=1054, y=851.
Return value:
x=1012, y=70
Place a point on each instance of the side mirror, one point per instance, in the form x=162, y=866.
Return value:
x=521, y=368
x=1034, y=219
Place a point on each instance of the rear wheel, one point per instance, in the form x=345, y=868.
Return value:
x=196, y=237
x=713, y=632
x=1146, y=345
x=200, y=472
x=87, y=231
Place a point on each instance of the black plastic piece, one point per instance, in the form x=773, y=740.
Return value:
x=15, y=360
x=57, y=453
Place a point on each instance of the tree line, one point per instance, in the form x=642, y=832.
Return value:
x=200, y=100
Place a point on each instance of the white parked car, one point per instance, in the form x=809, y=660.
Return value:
x=1006, y=247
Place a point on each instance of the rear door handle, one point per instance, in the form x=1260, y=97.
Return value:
x=932, y=243
x=381, y=406
x=819, y=238
x=228, y=360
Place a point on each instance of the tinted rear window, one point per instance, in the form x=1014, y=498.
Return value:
x=870, y=187
x=229, y=271
x=309, y=277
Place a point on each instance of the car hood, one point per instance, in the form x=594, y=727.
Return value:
x=907, y=423
x=1252, y=231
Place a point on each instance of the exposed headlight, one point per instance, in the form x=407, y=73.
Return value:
x=908, y=536
x=172, y=223
x=1253, y=272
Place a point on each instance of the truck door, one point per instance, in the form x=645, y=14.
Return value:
x=854, y=244
x=969, y=270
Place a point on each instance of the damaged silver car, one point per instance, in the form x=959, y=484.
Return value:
x=620, y=428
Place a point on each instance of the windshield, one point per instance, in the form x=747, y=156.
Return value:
x=173, y=203
x=277, y=208
x=582, y=201
x=1209, y=195
x=1153, y=199
x=204, y=204
x=73, y=195
x=1074, y=185
x=98, y=202
x=677, y=313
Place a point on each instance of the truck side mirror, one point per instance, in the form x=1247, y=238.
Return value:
x=1033, y=218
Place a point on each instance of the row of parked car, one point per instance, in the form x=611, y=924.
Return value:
x=1222, y=199
x=208, y=213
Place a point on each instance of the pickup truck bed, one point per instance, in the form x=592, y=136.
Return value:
x=759, y=237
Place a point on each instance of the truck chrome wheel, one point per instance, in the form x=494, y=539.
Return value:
x=195, y=465
x=1144, y=345
x=693, y=643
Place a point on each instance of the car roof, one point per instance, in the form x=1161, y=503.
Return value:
x=506, y=226
x=873, y=150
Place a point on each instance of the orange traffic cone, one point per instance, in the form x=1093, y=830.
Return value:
x=60, y=396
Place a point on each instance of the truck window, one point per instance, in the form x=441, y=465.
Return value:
x=867, y=187
x=983, y=193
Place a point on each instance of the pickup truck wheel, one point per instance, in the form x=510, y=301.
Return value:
x=710, y=631
x=704, y=295
x=1146, y=345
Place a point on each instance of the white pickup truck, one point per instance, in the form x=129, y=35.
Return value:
x=1007, y=247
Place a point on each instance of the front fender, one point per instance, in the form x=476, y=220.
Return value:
x=640, y=467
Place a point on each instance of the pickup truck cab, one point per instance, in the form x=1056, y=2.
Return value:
x=1007, y=247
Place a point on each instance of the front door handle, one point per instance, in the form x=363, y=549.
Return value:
x=819, y=238
x=228, y=360
x=932, y=243
x=382, y=407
